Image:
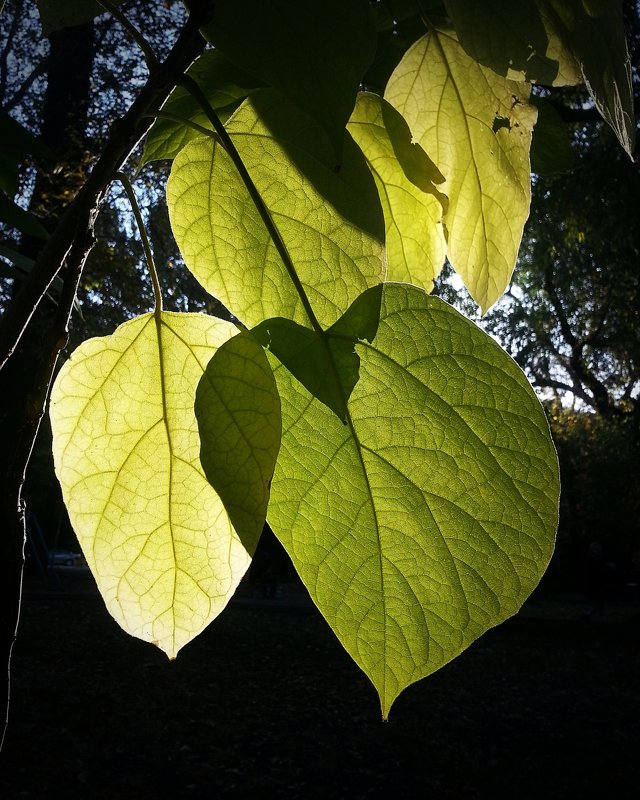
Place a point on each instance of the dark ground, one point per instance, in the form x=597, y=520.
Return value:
x=266, y=704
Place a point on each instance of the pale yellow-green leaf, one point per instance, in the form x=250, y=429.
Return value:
x=413, y=214
x=476, y=126
x=331, y=222
x=127, y=454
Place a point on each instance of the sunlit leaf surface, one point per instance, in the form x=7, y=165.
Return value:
x=331, y=222
x=476, y=126
x=164, y=553
x=431, y=515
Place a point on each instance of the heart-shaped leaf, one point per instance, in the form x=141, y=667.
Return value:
x=431, y=515
x=163, y=550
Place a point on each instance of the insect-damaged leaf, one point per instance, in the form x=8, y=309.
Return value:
x=476, y=126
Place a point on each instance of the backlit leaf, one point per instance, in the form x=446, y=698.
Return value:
x=331, y=223
x=164, y=553
x=431, y=515
x=225, y=87
x=407, y=184
x=476, y=126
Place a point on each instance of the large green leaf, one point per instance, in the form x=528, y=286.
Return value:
x=431, y=515
x=526, y=40
x=407, y=184
x=315, y=53
x=224, y=86
x=476, y=126
x=331, y=223
x=162, y=548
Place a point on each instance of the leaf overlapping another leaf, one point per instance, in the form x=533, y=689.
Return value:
x=407, y=182
x=431, y=515
x=476, y=126
x=331, y=223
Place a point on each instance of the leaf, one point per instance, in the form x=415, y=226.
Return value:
x=558, y=42
x=238, y=412
x=476, y=126
x=431, y=515
x=550, y=148
x=521, y=41
x=406, y=179
x=600, y=45
x=328, y=365
x=164, y=552
x=24, y=221
x=57, y=14
x=315, y=53
x=331, y=223
x=225, y=87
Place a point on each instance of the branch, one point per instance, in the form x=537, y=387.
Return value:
x=21, y=91
x=125, y=135
x=542, y=382
x=576, y=366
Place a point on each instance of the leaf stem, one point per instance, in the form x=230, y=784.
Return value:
x=149, y=56
x=183, y=121
x=196, y=92
x=126, y=183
